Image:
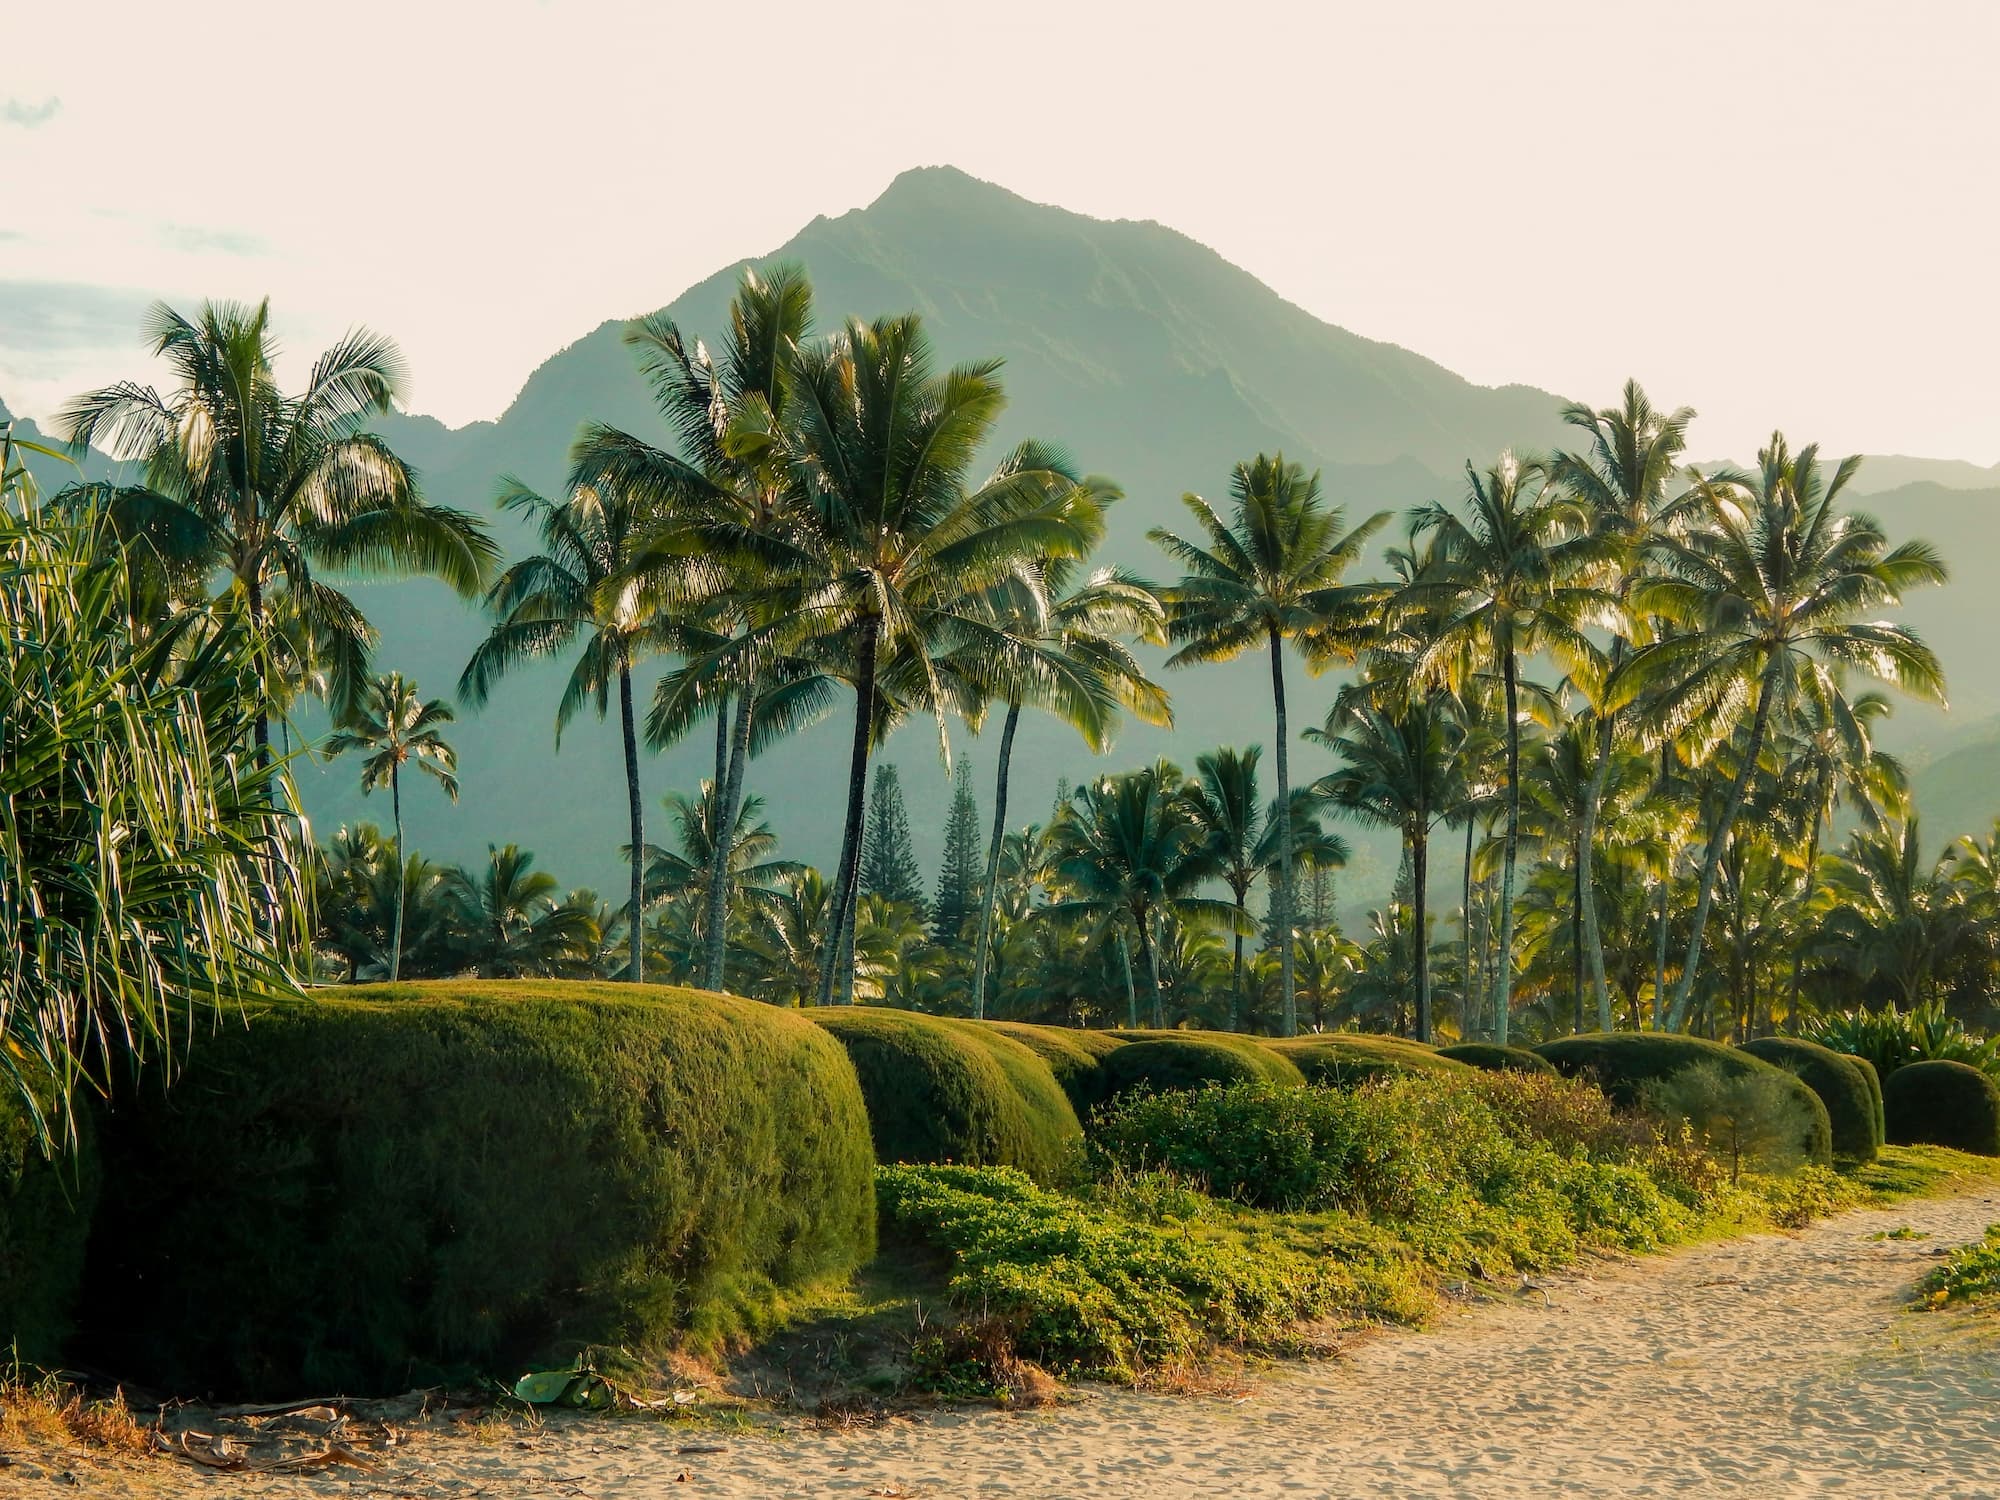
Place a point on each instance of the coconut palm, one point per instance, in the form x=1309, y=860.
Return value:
x=1897, y=919
x=1517, y=574
x=394, y=727
x=263, y=490
x=684, y=875
x=514, y=923
x=1778, y=578
x=1269, y=575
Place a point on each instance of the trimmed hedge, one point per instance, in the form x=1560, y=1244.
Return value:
x=1943, y=1104
x=1850, y=1107
x=1494, y=1058
x=1167, y=1060
x=940, y=1091
x=1071, y=1053
x=424, y=1180
x=1341, y=1059
x=1874, y=1081
x=1622, y=1062
x=45, y=1217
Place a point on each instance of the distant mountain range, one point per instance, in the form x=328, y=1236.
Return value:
x=1154, y=361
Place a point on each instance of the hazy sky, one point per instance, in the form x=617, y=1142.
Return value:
x=1783, y=214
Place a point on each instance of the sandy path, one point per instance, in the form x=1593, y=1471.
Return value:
x=1766, y=1366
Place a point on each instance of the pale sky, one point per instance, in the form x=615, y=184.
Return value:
x=1782, y=214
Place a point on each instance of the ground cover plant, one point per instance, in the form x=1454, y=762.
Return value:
x=1970, y=1273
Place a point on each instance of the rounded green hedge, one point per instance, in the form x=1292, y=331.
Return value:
x=415, y=1181
x=1072, y=1053
x=1341, y=1059
x=46, y=1206
x=1167, y=1060
x=1874, y=1081
x=1494, y=1058
x=1850, y=1106
x=1622, y=1062
x=941, y=1090
x=1943, y=1104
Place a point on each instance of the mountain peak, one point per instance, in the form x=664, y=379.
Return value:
x=942, y=188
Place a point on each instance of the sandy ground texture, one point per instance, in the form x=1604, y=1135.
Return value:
x=1769, y=1366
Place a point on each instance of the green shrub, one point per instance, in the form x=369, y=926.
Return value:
x=955, y=1091
x=1873, y=1078
x=1943, y=1104
x=45, y=1215
x=1622, y=1063
x=1841, y=1086
x=1749, y=1118
x=1496, y=1059
x=1971, y=1273
x=1091, y=1294
x=1340, y=1059
x=1185, y=1060
x=366, y=1193
x=1072, y=1054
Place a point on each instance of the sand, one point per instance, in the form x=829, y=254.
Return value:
x=1774, y=1365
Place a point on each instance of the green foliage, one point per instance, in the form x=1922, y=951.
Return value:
x=1072, y=1053
x=1748, y=1118
x=362, y=1193
x=1873, y=1078
x=1971, y=1273
x=1343, y=1058
x=1092, y=1294
x=1495, y=1058
x=955, y=1091
x=888, y=858
x=1158, y=1061
x=1842, y=1087
x=1943, y=1103
x=958, y=875
x=1891, y=1038
x=46, y=1206
x=1622, y=1063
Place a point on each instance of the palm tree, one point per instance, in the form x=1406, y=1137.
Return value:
x=892, y=571
x=730, y=494
x=1399, y=769
x=262, y=489
x=564, y=595
x=1517, y=575
x=1776, y=580
x=395, y=727
x=515, y=926
x=1270, y=575
x=1896, y=918
x=685, y=875
x=1064, y=651
x=1624, y=480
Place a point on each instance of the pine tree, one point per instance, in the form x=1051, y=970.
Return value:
x=958, y=877
x=888, y=858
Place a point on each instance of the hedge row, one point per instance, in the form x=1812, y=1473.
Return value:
x=1943, y=1104
x=1341, y=1059
x=45, y=1218
x=1841, y=1086
x=366, y=1193
x=1494, y=1058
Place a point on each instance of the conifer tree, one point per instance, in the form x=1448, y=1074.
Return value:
x=888, y=858
x=958, y=877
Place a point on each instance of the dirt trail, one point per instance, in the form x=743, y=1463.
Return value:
x=1767, y=1366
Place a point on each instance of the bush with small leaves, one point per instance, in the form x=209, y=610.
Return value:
x=1943, y=1104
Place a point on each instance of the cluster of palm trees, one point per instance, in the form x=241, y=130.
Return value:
x=1629, y=689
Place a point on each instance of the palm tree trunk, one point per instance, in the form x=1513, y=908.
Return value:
x=635, y=812
x=729, y=796
x=261, y=728
x=1281, y=890
x=1805, y=900
x=1586, y=880
x=991, y=890
x=1131, y=993
x=1712, y=859
x=1467, y=989
x=1236, y=981
x=1576, y=946
x=838, y=962
x=1149, y=955
x=1503, y=972
x=1420, y=864
x=402, y=884
x=722, y=741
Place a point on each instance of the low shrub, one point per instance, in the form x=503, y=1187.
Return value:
x=1943, y=1104
x=1497, y=1059
x=1072, y=1054
x=1971, y=1273
x=1841, y=1086
x=46, y=1206
x=1622, y=1063
x=955, y=1091
x=1873, y=1078
x=420, y=1180
x=1340, y=1059
x=1169, y=1061
x=1748, y=1118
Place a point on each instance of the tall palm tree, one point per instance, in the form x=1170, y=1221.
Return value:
x=394, y=726
x=1776, y=580
x=730, y=491
x=684, y=875
x=262, y=489
x=1400, y=769
x=1269, y=575
x=1518, y=574
x=1626, y=479
x=1897, y=918
x=564, y=596
x=894, y=556
x=1062, y=649
x=515, y=923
